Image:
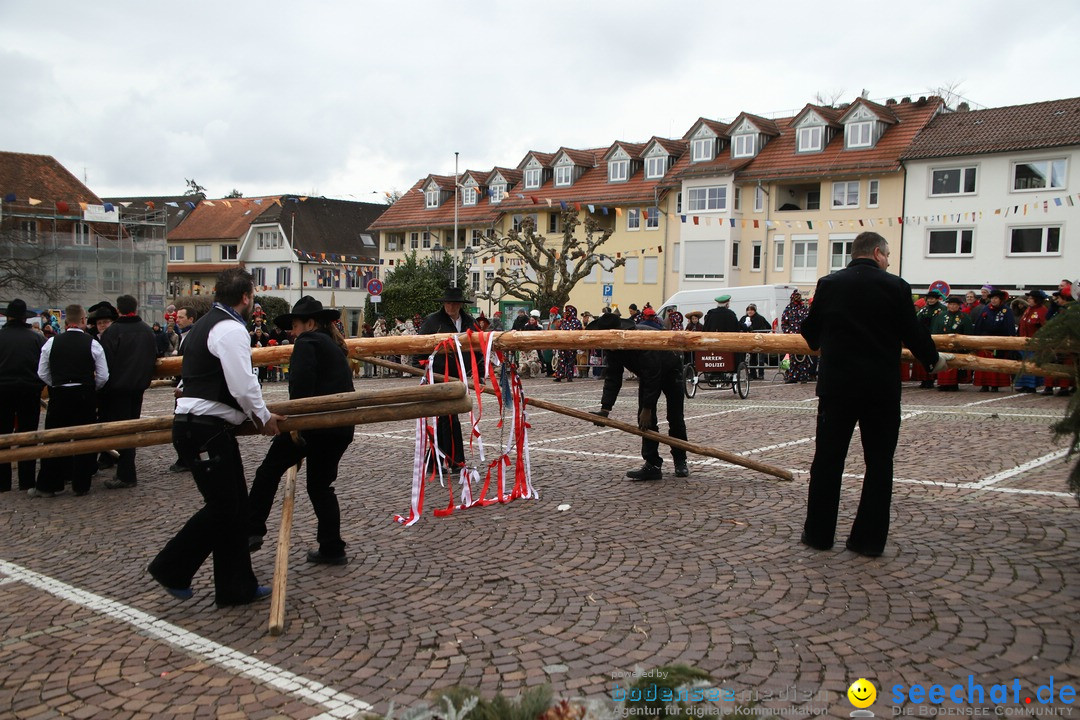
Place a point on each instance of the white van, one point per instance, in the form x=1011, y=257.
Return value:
x=770, y=300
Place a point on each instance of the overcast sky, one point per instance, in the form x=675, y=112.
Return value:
x=346, y=99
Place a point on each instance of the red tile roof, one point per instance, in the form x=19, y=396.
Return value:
x=220, y=221
x=581, y=158
x=830, y=115
x=778, y=159
x=592, y=188
x=1055, y=123
x=543, y=158
x=884, y=112
x=409, y=212
x=510, y=175
x=674, y=147
x=717, y=127
x=765, y=125
x=200, y=268
x=43, y=178
x=634, y=150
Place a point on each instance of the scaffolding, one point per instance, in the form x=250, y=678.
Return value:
x=56, y=259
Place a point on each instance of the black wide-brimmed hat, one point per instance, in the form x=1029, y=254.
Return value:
x=610, y=321
x=306, y=308
x=453, y=294
x=16, y=310
x=104, y=310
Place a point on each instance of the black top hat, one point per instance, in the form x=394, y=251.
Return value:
x=453, y=294
x=955, y=299
x=16, y=309
x=1037, y=294
x=102, y=311
x=610, y=321
x=306, y=308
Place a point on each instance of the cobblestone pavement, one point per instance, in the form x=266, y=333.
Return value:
x=980, y=575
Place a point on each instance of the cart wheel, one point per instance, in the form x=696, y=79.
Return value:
x=741, y=382
x=691, y=378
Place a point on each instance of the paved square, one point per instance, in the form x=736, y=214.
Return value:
x=980, y=575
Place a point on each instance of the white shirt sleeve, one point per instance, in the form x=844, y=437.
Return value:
x=44, y=371
x=230, y=342
x=101, y=367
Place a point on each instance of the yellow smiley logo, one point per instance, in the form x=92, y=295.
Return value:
x=862, y=693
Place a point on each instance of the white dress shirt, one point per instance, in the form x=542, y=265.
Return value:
x=101, y=368
x=230, y=343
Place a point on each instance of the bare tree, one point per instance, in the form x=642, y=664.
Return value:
x=194, y=188
x=28, y=266
x=828, y=98
x=235, y=194
x=950, y=92
x=550, y=270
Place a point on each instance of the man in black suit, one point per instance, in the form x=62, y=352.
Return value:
x=20, y=386
x=859, y=382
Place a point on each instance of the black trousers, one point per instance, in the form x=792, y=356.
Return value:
x=119, y=405
x=671, y=385
x=323, y=455
x=448, y=431
x=219, y=527
x=20, y=408
x=69, y=406
x=879, y=425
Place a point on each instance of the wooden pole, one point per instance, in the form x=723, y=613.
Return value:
x=320, y=403
x=625, y=427
x=336, y=418
x=769, y=343
x=281, y=561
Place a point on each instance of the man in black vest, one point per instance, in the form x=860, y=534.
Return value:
x=73, y=365
x=185, y=320
x=220, y=391
x=859, y=382
x=131, y=350
x=20, y=386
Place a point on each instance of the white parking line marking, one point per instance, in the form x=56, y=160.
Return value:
x=338, y=704
x=1023, y=467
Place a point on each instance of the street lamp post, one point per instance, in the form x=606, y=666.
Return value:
x=453, y=279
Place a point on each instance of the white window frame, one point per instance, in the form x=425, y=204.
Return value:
x=703, y=149
x=258, y=277
x=496, y=193
x=532, y=178
x=873, y=193
x=80, y=232
x=354, y=280
x=650, y=270
x=283, y=277
x=414, y=241
x=736, y=199
x=618, y=171
x=744, y=145
x=1045, y=240
x=425, y=240
x=633, y=219
x=431, y=198
x=800, y=248
x=678, y=203
x=76, y=278
x=223, y=252
x=111, y=281
x=963, y=171
x=477, y=239
x=564, y=175
x=853, y=134
x=845, y=240
x=705, y=259
x=632, y=271
x=759, y=199
x=846, y=186
x=811, y=139
x=656, y=167
x=1049, y=162
x=957, y=233
x=468, y=195
x=392, y=242
x=735, y=254
x=204, y=253
x=176, y=253
x=778, y=253
x=757, y=256
x=652, y=221
x=703, y=199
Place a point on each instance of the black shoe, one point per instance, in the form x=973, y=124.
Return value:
x=866, y=552
x=261, y=593
x=984, y=388
x=114, y=484
x=179, y=467
x=178, y=593
x=994, y=389
x=646, y=472
x=316, y=556
x=926, y=384
x=79, y=493
x=255, y=542
x=1048, y=391
x=805, y=540
x=682, y=470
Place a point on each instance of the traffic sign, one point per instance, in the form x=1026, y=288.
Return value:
x=374, y=286
x=608, y=290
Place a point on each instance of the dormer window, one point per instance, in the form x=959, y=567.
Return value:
x=655, y=167
x=564, y=175
x=811, y=139
x=618, y=170
x=468, y=195
x=532, y=178
x=431, y=198
x=703, y=149
x=860, y=134
x=744, y=145
x=496, y=193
